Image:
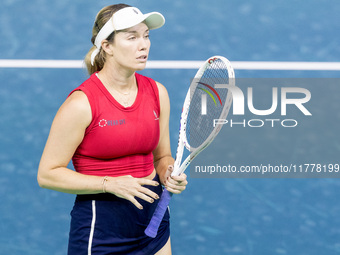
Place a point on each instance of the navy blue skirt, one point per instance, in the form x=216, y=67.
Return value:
x=106, y=224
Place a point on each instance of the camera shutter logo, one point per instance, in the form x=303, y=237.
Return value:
x=102, y=123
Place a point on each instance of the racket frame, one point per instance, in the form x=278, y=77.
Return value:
x=179, y=168
x=183, y=141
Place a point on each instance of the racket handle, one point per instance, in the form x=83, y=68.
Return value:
x=158, y=215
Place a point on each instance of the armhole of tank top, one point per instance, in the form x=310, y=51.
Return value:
x=88, y=129
x=156, y=92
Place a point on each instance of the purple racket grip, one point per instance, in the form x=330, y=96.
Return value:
x=158, y=215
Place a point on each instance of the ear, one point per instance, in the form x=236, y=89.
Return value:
x=107, y=47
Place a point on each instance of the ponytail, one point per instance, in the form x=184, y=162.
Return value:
x=98, y=61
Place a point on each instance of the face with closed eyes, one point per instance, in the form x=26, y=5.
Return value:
x=130, y=48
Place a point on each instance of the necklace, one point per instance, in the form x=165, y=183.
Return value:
x=124, y=96
x=125, y=101
x=124, y=93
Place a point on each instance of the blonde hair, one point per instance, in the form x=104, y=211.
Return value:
x=102, y=17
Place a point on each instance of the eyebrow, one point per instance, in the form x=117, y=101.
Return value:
x=134, y=32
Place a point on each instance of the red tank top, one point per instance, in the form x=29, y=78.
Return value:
x=119, y=141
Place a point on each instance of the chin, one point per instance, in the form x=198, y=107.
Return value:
x=140, y=67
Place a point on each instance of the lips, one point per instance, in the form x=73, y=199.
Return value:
x=143, y=57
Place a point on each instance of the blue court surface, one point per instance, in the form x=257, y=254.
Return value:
x=243, y=216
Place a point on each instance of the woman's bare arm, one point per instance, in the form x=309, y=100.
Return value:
x=67, y=132
x=162, y=154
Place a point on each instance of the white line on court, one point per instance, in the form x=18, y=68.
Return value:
x=174, y=64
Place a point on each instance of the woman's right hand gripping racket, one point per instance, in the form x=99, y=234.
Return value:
x=207, y=99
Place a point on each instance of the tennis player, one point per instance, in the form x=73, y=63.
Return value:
x=115, y=128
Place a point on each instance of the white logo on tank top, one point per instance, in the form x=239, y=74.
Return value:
x=156, y=117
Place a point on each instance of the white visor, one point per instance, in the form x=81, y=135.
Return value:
x=123, y=19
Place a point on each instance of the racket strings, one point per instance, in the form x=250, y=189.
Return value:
x=205, y=103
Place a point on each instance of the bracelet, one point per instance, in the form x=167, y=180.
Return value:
x=103, y=183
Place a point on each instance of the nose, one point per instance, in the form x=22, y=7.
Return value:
x=144, y=44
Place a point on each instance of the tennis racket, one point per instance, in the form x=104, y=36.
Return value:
x=207, y=100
